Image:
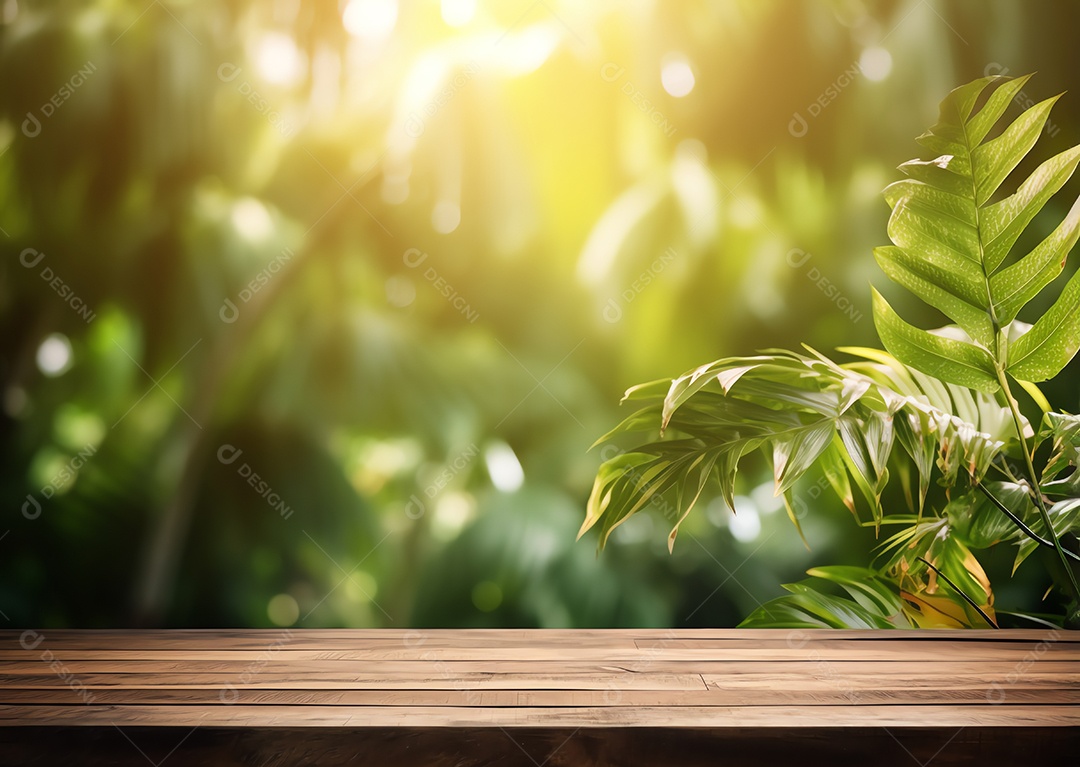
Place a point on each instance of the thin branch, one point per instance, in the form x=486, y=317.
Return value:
x=1032, y=618
x=1006, y=469
x=1020, y=524
x=958, y=590
x=1033, y=477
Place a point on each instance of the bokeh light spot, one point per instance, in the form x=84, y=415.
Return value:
x=453, y=511
x=361, y=586
x=487, y=596
x=446, y=216
x=54, y=355
x=504, y=467
x=875, y=63
x=282, y=610
x=676, y=75
x=458, y=13
x=278, y=59
x=400, y=291
x=251, y=219
x=370, y=20
x=745, y=523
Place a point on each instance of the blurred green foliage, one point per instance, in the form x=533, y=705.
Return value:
x=400, y=261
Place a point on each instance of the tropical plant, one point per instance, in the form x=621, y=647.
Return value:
x=945, y=395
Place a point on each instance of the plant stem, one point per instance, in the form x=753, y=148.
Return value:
x=1020, y=523
x=1018, y=421
x=959, y=591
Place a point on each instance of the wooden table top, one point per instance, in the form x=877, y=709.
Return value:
x=540, y=678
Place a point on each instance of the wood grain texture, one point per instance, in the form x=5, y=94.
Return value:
x=781, y=717
x=528, y=679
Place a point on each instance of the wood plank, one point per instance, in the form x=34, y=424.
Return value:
x=565, y=635
x=545, y=645
x=747, y=691
x=1044, y=694
x=540, y=678
x=944, y=651
x=198, y=664
x=427, y=680
x=947, y=680
x=622, y=657
x=521, y=716
x=333, y=639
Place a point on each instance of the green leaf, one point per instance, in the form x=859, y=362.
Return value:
x=878, y=433
x=647, y=390
x=832, y=465
x=931, y=600
x=941, y=287
x=610, y=485
x=1014, y=287
x=789, y=507
x=800, y=411
x=979, y=125
x=993, y=161
x=704, y=466
x=727, y=467
x=869, y=606
x=951, y=242
x=793, y=455
x=934, y=236
x=1064, y=516
x=864, y=586
x=913, y=431
x=1003, y=222
x=1052, y=342
x=938, y=393
x=980, y=523
x=686, y=386
x=642, y=419
x=1036, y=395
x=928, y=197
x=937, y=173
x=952, y=361
x=791, y=612
x=852, y=452
x=1064, y=430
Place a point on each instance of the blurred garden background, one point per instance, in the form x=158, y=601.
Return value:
x=312, y=309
